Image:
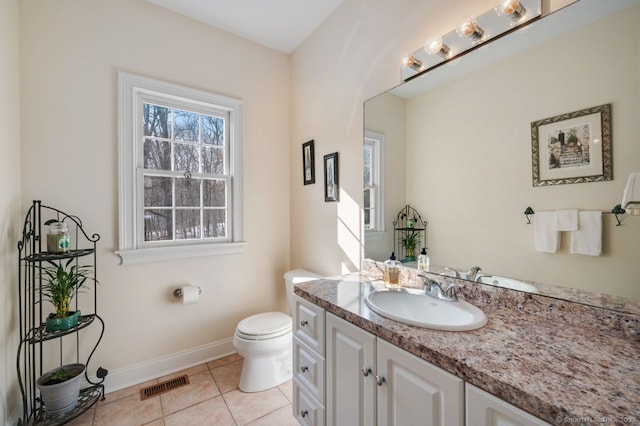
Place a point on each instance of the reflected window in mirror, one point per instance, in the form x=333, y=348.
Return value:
x=373, y=182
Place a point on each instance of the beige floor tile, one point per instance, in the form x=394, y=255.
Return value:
x=123, y=393
x=188, y=371
x=128, y=411
x=247, y=407
x=211, y=412
x=287, y=389
x=85, y=419
x=224, y=361
x=281, y=417
x=227, y=377
x=200, y=388
x=159, y=422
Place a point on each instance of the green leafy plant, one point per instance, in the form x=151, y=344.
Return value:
x=410, y=242
x=60, y=376
x=62, y=281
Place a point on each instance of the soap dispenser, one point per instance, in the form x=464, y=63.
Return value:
x=392, y=273
x=423, y=260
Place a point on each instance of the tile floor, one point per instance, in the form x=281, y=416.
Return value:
x=211, y=398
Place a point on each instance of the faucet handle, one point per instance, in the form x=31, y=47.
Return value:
x=450, y=291
x=426, y=281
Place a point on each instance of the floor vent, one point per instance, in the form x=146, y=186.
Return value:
x=166, y=386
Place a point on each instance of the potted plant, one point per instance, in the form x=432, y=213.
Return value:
x=410, y=242
x=60, y=282
x=59, y=388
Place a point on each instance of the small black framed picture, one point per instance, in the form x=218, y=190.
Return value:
x=331, y=181
x=308, y=163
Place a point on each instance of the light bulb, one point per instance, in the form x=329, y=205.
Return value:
x=513, y=9
x=470, y=29
x=412, y=62
x=436, y=47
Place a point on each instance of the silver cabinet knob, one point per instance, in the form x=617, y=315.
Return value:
x=366, y=371
x=303, y=323
x=380, y=380
x=304, y=413
x=304, y=368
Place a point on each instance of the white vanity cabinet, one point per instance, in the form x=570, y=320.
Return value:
x=344, y=375
x=370, y=381
x=484, y=409
x=308, y=363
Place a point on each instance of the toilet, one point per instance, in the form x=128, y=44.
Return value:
x=264, y=341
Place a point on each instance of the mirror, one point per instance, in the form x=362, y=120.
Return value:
x=457, y=147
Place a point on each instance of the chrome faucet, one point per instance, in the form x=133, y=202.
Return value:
x=472, y=274
x=433, y=289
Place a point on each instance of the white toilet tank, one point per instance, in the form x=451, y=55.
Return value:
x=296, y=276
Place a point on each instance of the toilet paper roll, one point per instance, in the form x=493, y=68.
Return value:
x=190, y=294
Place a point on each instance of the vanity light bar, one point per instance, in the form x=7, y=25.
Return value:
x=472, y=32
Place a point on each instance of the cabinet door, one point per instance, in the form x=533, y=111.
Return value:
x=484, y=409
x=351, y=386
x=413, y=392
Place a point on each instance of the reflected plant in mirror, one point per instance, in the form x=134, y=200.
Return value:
x=459, y=150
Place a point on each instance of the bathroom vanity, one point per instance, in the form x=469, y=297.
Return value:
x=537, y=361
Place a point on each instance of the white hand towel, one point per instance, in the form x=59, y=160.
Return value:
x=632, y=190
x=545, y=233
x=567, y=220
x=588, y=238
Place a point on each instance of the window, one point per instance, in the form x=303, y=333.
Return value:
x=180, y=171
x=373, y=182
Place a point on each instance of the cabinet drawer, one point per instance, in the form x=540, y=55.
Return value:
x=309, y=324
x=308, y=368
x=306, y=409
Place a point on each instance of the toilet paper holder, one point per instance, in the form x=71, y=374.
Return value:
x=177, y=293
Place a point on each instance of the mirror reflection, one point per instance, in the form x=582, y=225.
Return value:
x=455, y=143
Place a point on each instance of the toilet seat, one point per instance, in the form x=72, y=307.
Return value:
x=264, y=326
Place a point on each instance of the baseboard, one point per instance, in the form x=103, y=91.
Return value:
x=154, y=368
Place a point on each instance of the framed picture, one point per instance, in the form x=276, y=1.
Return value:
x=308, y=163
x=572, y=148
x=331, y=186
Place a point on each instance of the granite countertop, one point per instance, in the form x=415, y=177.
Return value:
x=560, y=361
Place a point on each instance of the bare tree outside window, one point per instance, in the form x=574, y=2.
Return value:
x=185, y=187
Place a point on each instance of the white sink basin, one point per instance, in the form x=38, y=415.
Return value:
x=415, y=308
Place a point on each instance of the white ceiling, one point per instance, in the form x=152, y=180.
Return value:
x=278, y=24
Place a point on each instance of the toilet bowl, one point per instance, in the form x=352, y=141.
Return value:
x=264, y=341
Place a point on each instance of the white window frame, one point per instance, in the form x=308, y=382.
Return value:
x=133, y=91
x=376, y=140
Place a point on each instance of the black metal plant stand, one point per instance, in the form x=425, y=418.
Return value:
x=37, y=345
x=409, y=225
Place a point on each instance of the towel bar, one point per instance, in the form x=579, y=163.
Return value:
x=617, y=210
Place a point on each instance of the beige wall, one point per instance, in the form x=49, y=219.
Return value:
x=9, y=207
x=70, y=53
x=477, y=164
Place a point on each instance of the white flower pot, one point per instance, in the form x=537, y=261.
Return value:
x=59, y=398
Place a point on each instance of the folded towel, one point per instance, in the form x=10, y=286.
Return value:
x=545, y=232
x=588, y=238
x=631, y=190
x=567, y=220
